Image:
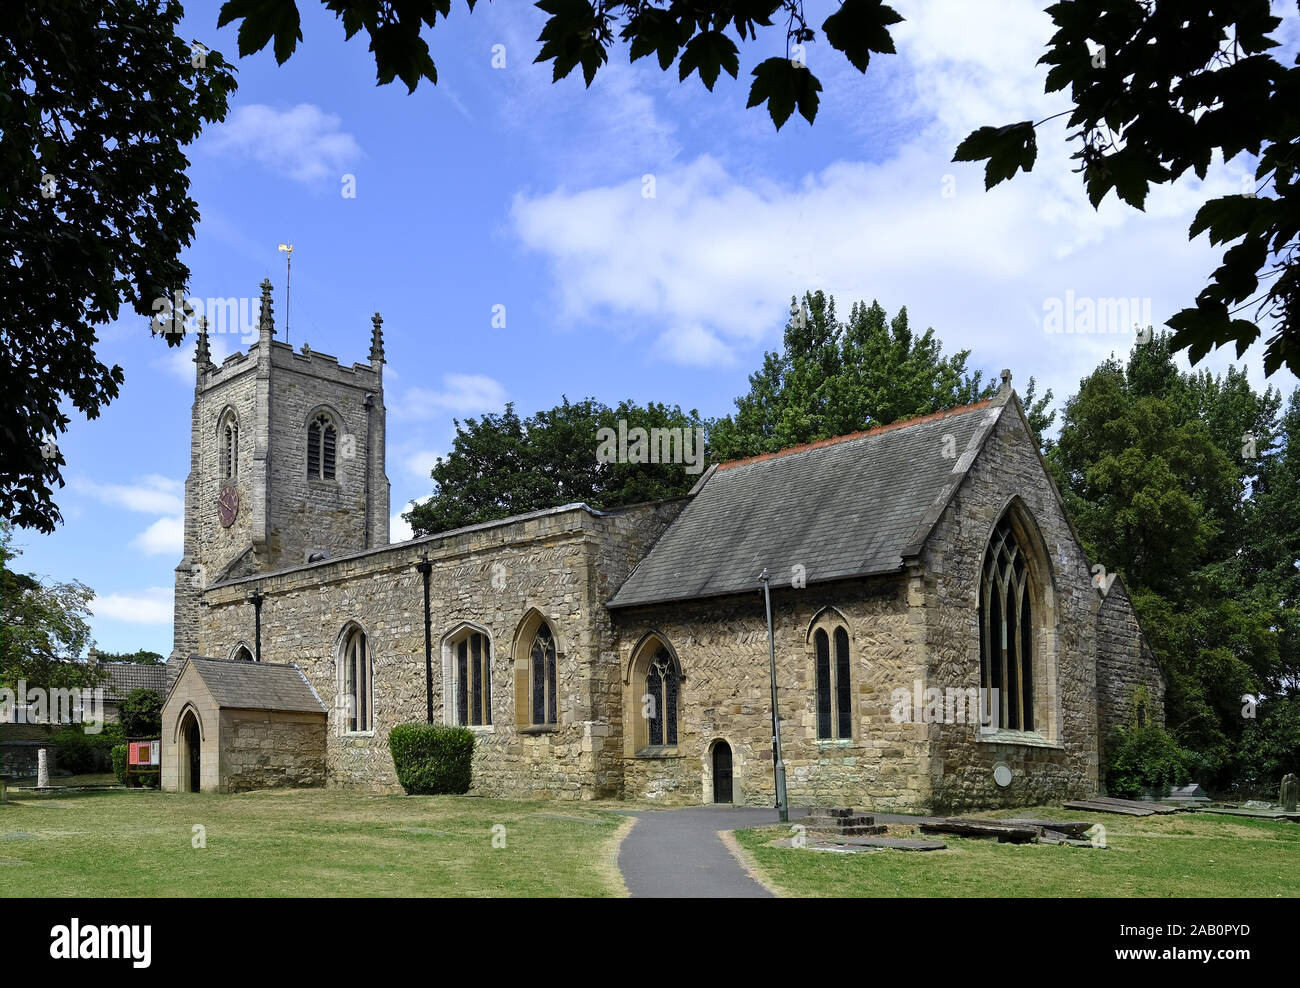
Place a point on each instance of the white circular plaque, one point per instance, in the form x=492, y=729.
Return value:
x=1002, y=774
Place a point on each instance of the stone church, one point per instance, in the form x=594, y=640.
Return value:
x=941, y=640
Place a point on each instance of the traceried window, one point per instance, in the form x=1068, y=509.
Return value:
x=662, y=687
x=357, y=686
x=471, y=686
x=834, y=699
x=322, y=437
x=229, y=439
x=1006, y=626
x=541, y=661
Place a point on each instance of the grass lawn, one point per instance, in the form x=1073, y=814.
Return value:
x=1186, y=854
x=314, y=842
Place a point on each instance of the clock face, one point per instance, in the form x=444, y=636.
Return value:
x=228, y=506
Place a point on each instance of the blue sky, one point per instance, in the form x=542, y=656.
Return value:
x=497, y=188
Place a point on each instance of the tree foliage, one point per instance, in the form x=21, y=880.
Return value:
x=42, y=626
x=1161, y=472
x=834, y=377
x=580, y=33
x=142, y=713
x=1158, y=89
x=97, y=101
x=141, y=657
x=503, y=465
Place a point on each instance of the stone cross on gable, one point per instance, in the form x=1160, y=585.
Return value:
x=1006, y=380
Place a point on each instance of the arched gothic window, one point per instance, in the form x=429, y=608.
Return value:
x=229, y=439
x=662, y=687
x=469, y=702
x=322, y=437
x=357, y=685
x=541, y=659
x=834, y=699
x=1006, y=627
x=242, y=654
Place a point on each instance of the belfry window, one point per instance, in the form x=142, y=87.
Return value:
x=229, y=440
x=322, y=437
x=1006, y=629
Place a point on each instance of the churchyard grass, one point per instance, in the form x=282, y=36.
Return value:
x=318, y=842
x=1186, y=854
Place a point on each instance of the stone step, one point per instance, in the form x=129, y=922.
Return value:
x=850, y=829
x=834, y=823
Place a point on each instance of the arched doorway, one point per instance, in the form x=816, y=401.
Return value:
x=722, y=792
x=191, y=754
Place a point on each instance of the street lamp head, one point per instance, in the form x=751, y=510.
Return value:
x=762, y=577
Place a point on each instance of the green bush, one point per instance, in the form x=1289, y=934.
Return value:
x=431, y=758
x=1143, y=758
x=142, y=714
x=75, y=752
x=119, y=762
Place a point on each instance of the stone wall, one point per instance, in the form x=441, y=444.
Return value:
x=722, y=646
x=263, y=749
x=1128, y=675
x=1058, y=759
x=499, y=578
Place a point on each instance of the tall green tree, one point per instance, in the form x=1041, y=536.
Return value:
x=502, y=465
x=98, y=100
x=832, y=378
x=1156, y=467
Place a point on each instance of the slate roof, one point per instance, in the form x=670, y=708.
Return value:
x=845, y=507
x=127, y=676
x=237, y=685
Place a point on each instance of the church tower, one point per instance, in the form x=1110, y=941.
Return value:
x=286, y=464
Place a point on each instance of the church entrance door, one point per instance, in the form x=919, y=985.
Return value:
x=722, y=772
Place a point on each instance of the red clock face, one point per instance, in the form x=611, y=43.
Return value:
x=228, y=506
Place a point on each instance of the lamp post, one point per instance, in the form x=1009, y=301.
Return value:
x=288, y=270
x=779, y=766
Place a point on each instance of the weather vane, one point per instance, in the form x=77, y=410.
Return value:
x=288, y=270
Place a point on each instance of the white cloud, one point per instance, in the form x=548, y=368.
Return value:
x=706, y=268
x=420, y=463
x=165, y=536
x=152, y=493
x=152, y=605
x=179, y=361
x=460, y=393
x=398, y=529
x=304, y=142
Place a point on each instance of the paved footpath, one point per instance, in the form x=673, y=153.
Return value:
x=677, y=853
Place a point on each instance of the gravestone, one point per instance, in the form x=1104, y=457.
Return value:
x=42, y=769
x=1290, y=792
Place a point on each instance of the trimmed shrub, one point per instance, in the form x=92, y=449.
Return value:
x=119, y=762
x=431, y=758
x=1143, y=758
